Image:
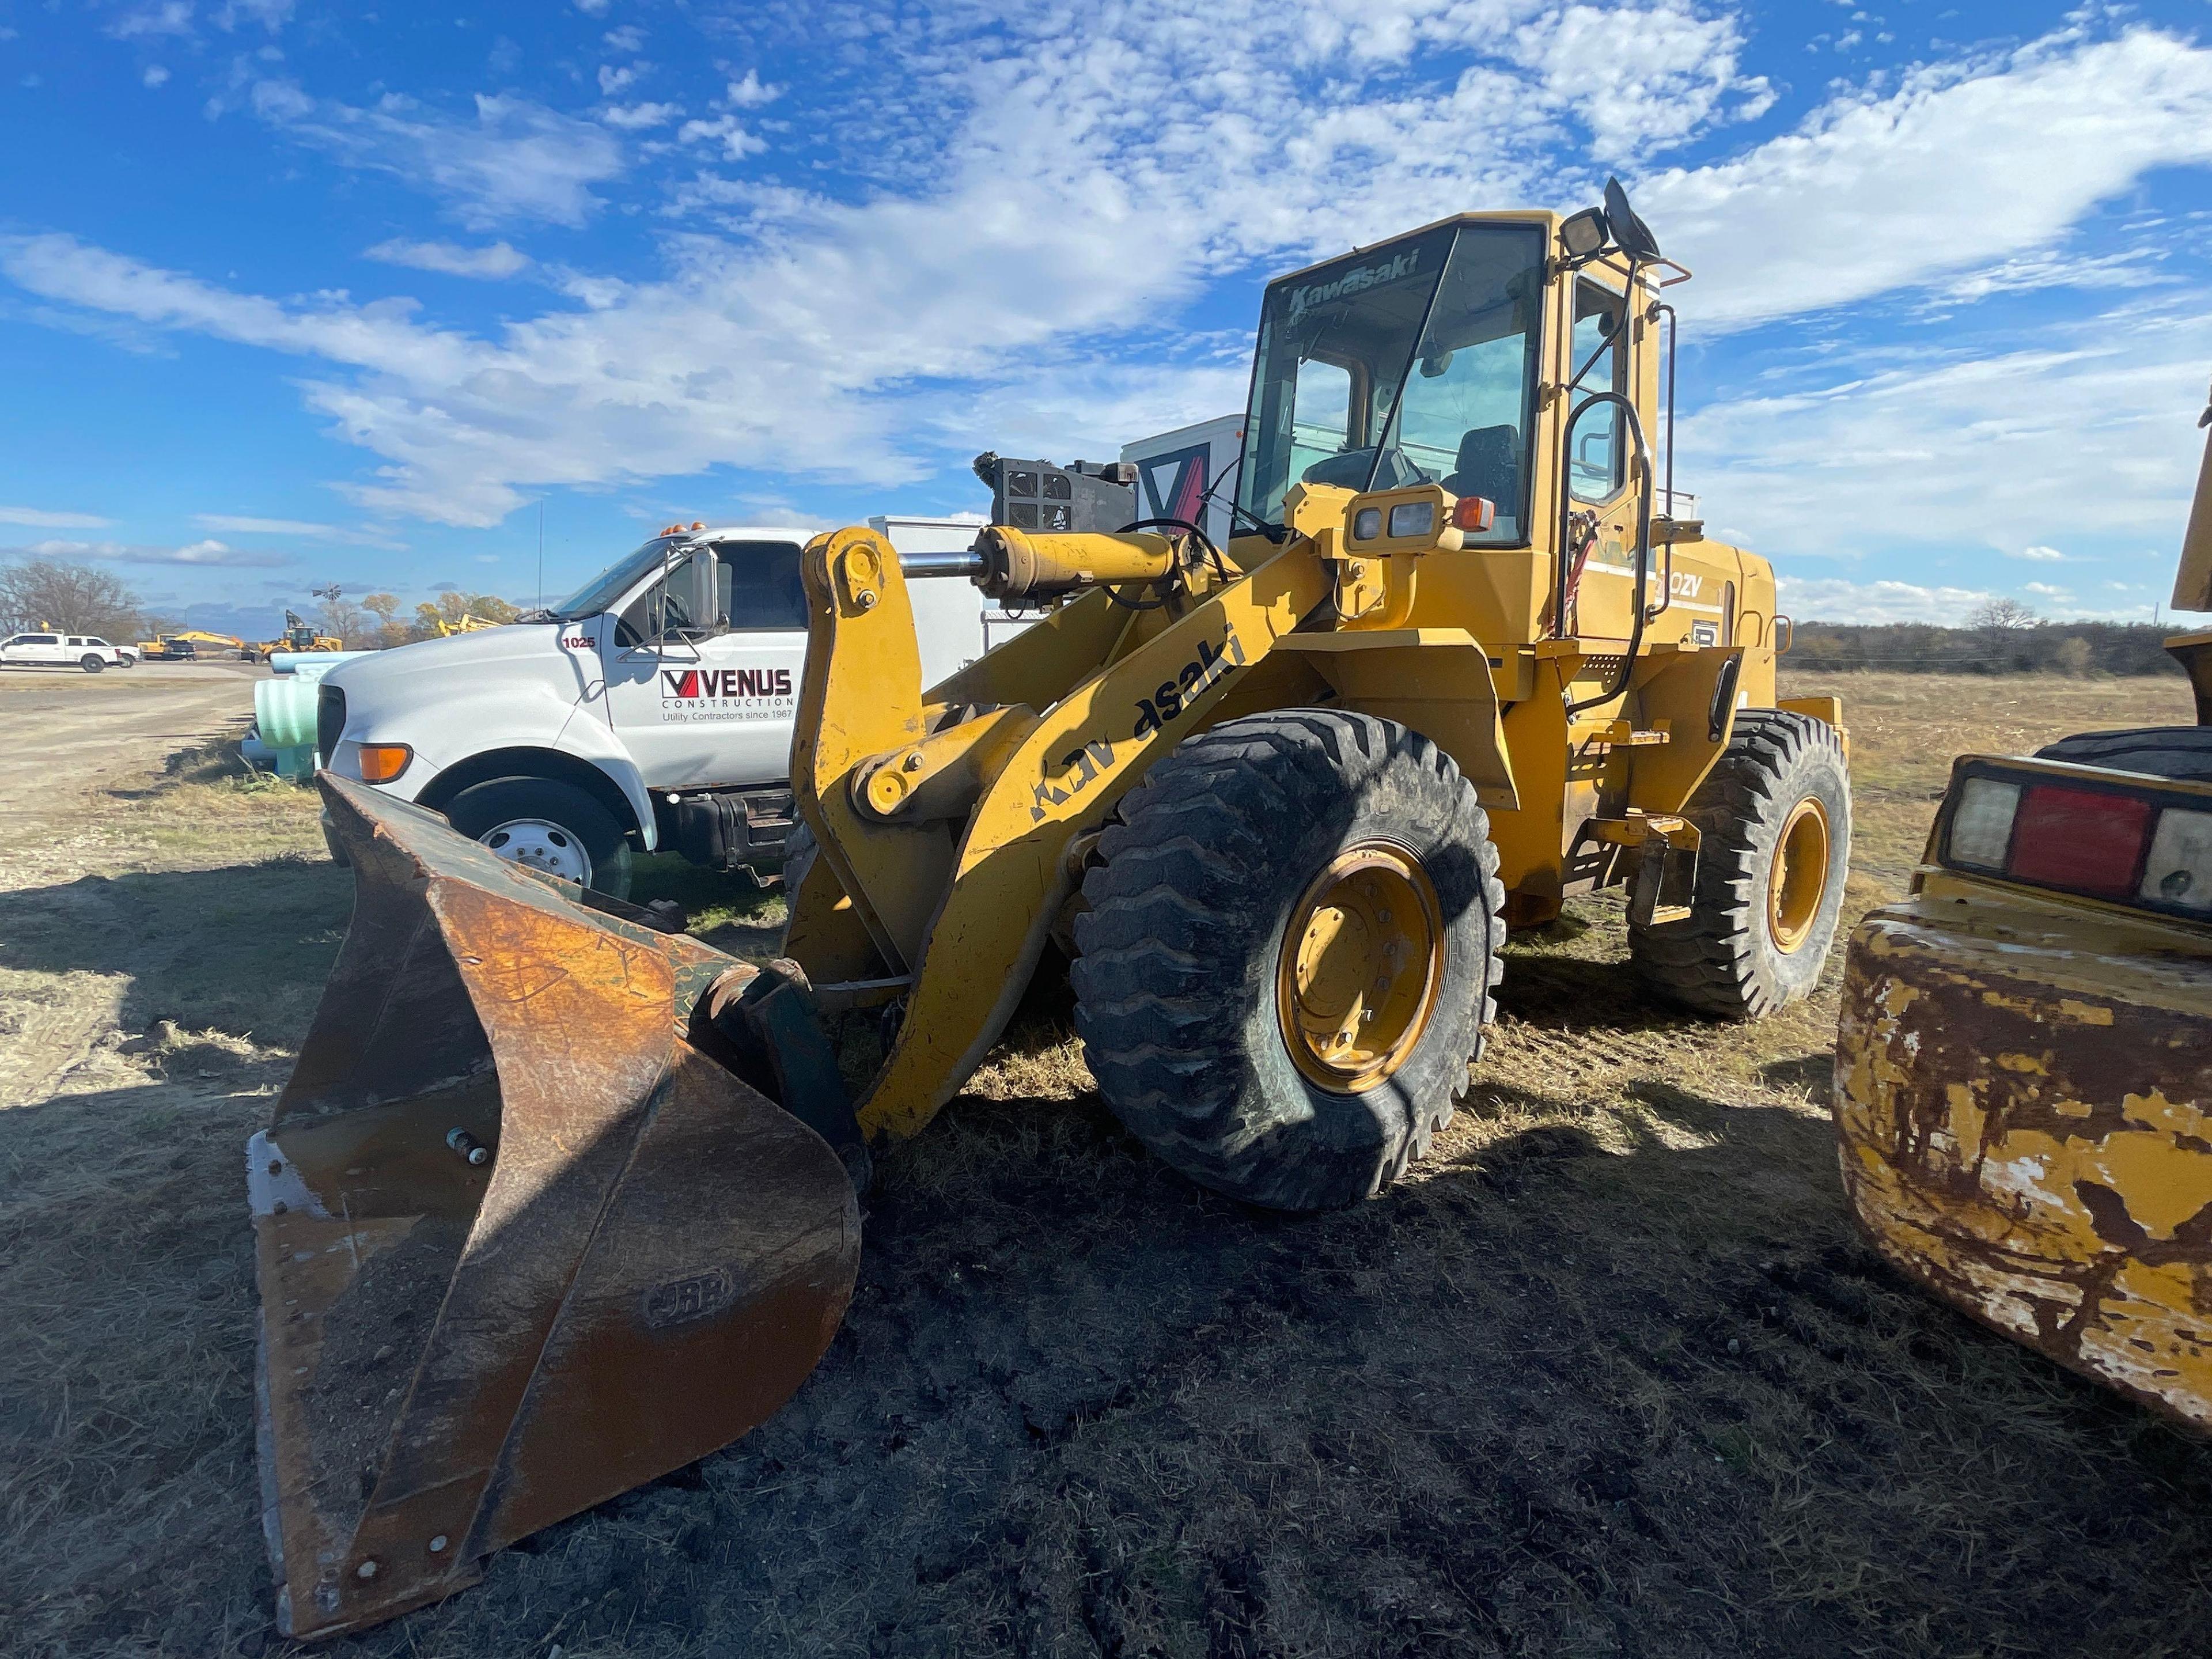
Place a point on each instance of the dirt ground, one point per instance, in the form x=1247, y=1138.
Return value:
x=1610, y=1374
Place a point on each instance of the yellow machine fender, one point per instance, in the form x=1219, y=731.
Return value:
x=1434, y=680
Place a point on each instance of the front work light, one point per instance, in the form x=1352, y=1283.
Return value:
x=1411, y=518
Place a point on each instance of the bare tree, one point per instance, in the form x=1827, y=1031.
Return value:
x=385, y=607
x=2003, y=613
x=79, y=599
x=340, y=617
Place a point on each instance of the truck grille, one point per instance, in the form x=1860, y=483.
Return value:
x=330, y=720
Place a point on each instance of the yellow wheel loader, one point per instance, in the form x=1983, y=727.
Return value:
x=556, y=1202
x=2023, y=1090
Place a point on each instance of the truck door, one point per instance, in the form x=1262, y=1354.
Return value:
x=700, y=685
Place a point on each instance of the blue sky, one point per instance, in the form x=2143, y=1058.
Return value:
x=291, y=293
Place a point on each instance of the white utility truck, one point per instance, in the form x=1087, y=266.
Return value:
x=651, y=710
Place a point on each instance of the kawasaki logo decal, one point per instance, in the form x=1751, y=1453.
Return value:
x=1170, y=700
x=1357, y=280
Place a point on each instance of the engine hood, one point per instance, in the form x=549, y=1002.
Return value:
x=382, y=672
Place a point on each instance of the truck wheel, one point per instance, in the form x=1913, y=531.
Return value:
x=1286, y=965
x=549, y=826
x=1774, y=823
x=2161, y=751
x=92, y=664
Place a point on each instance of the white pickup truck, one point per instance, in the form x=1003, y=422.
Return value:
x=652, y=709
x=56, y=650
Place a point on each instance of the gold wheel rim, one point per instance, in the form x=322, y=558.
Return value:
x=1363, y=956
x=1797, y=882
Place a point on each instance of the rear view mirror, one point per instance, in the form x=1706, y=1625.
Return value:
x=692, y=595
x=1630, y=234
x=1584, y=236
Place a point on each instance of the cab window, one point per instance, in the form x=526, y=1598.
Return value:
x=1596, y=469
x=757, y=589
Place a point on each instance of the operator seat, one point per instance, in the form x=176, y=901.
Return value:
x=1489, y=465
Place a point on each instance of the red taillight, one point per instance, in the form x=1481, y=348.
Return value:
x=2088, y=840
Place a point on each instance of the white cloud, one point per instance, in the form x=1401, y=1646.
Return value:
x=1960, y=164
x=234, y=523
x=1831, y=600
x=613, y=80
x=493, y=263
x=207, y=552
x=750, y=93
x=2085, y=436
x=43, y=520
x=2056, y=595
x=736, y=143
x=271, y=15
x=863, y=339
x=155, y=76
x=2040, y=555
x=635, y=117
x=1642, y=83
x=516, y=160
x=170, y=17
x=628, y=39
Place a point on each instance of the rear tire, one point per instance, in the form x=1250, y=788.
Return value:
x=1774, y=825
x=2161, y=751
x=542, y=823
x=92, y=664
x=1287, y=965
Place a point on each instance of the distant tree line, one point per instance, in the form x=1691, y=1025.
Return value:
x=2004, y=637
x=84, y=598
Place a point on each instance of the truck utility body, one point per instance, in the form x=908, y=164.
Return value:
x=651, y=709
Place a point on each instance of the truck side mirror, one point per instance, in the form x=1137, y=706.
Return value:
x=694, y=596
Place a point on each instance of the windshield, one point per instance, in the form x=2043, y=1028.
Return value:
x=1414, y=362
x=610, y=585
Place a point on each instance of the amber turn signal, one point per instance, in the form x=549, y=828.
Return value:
x=381, y=763
x=1474, y=513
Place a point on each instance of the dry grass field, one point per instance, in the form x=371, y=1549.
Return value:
x=1608, y=1375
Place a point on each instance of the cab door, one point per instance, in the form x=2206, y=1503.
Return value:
x=702, y=666
x=1598, y=481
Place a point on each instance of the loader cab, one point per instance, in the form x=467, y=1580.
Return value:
x=1437, y=358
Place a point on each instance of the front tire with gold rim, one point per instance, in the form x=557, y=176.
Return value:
x=1774, y=826
x=1287, y=965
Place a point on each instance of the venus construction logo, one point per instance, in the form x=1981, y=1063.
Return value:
x=725, y=693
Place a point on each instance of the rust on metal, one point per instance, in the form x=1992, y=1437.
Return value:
x=649, y=1261
x=2020, y=1103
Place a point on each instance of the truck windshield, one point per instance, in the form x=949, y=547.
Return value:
x=601, y=593
x=1408, y=363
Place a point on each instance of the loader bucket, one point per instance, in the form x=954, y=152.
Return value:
x=524, y=1241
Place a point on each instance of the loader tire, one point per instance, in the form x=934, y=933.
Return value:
x=1774, y=824
x=2162, y=751
x=547, y=824
x=1267, y=879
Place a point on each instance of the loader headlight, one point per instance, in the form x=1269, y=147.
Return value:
x=1367, y=524
x=1412, y=519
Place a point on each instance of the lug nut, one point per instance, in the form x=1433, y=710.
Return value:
x=474, y=1152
